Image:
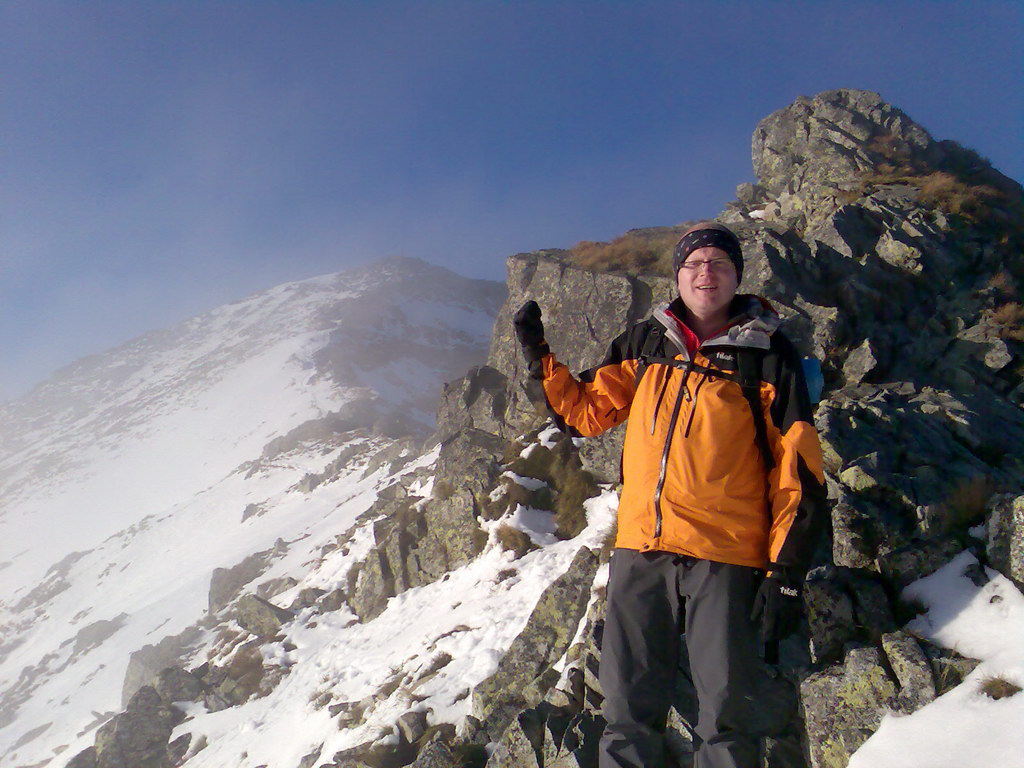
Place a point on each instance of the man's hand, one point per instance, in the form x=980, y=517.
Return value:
x=530, y=331
x=778, y=606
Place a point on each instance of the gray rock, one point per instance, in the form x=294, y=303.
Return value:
x=332, y=601
x=908, y=662
x=84, y=759
x=412, y=725
x=274, y=587
x=520, y=744
x=860, y=363
x=915, y=560
x=1005, y=542
x=147, y=662
x=310, y=760
x=477, y=401
x=227, y=583
x=437, y=753
x=830, y=619
x=824, y=143
x=570, y=741
x=261, y=617
x=900, y=254
x=308, y=598
x=949, y=668
x=178, y=748
x=176, y=684
x=374, y=585
x=843, y=706
x=137, y=738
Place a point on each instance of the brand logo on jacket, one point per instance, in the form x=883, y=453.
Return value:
x=723, y=359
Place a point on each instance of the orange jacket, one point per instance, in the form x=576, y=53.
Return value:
x=693, y=477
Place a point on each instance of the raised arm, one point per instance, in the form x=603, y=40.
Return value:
x=599, y=399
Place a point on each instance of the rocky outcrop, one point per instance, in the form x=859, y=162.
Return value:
x=819, y=145
x=895, y=292
x=418, y=540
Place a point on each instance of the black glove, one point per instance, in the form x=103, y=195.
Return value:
x=530, y=331
x=778, y=606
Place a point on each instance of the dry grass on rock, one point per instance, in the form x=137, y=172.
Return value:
x=638, y=252
x=997, y=688
x=515, y=541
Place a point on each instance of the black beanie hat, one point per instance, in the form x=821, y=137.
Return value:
x=711, y=236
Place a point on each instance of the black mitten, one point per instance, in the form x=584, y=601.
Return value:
x=530, y=331
x=778, y=606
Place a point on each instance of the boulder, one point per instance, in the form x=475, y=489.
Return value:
x=137, y=738
x=829, y=618
x=437, y=753
x=176, y=684
x=260, y=616
x=477, y=401
x=843, y=706
x=412, y=725
x=520, y=743
x=1005, y=537
x=227, y=583
x=908, y=662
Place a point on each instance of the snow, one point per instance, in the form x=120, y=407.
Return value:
x=964, y=727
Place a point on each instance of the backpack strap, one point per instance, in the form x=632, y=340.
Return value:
x=651, y=345
x=749, y=378
x=749, y=363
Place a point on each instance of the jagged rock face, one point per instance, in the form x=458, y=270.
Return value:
x=821, y=144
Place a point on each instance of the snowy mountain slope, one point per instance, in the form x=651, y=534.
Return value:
x=131, y=475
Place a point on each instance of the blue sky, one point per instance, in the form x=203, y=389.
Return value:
x=162, y=158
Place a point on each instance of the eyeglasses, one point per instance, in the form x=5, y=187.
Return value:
x=715, y=265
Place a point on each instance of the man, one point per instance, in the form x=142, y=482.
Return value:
x=721, y=502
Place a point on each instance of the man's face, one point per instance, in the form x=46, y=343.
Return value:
x=707, y=282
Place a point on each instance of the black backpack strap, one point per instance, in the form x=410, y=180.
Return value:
x=749, y=363
x=651, y=345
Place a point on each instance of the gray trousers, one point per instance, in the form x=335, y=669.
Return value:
x=653, y=597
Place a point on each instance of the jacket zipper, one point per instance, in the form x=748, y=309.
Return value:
x=684, y=393
x=661, y=395
x=689, y=419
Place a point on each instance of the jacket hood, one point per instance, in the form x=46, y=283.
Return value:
x=753, y=321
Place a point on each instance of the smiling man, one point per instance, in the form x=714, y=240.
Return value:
x=721, y=502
